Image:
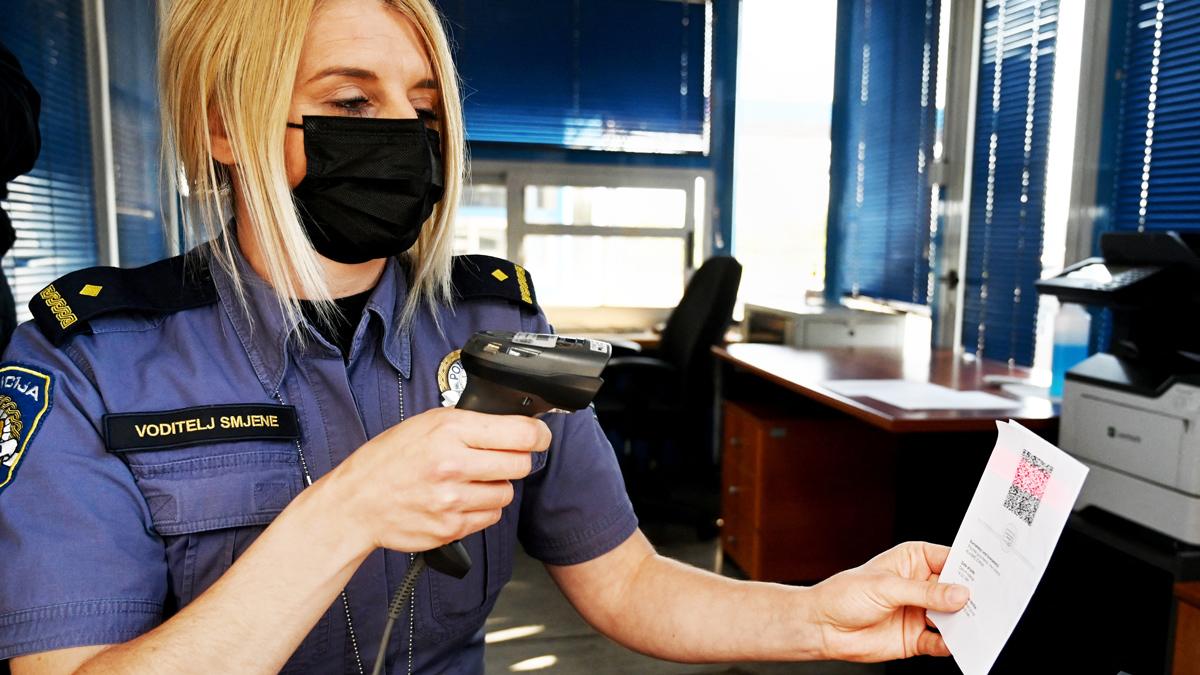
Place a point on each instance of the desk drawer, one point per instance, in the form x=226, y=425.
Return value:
x=742, y=440
x=739, y=492
x=734, y=438
x=739, y=531
x=802, y=498
x=737, y=541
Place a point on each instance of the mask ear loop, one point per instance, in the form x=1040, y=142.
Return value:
x=293, y=125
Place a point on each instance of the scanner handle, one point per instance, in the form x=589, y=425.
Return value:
x=481, y=395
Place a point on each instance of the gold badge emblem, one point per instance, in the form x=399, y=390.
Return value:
x=10, y=431
x=452, y=378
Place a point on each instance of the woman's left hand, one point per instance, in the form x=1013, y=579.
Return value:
x=876, y=612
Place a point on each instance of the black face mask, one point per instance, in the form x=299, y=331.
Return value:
x=370, y=186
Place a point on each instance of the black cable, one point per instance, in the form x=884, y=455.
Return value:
x=396, y=608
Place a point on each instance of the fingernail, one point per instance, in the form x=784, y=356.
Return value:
x=958, y=594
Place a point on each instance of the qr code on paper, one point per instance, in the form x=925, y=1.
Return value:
x=1025, y=494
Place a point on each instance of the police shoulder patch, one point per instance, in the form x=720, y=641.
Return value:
x=483, y=276
x=24, y=401
x=65, y=307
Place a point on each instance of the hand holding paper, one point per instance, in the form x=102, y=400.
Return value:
x=876, y=612
x=1005, y=542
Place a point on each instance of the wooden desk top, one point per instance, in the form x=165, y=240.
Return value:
x=805, y=370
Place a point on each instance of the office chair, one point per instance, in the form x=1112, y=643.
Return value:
x=657, y=405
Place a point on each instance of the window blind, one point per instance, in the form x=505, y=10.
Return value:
x=884, y=126
x=1156, y=169
x=132, y=61
x=1012, y=129
x=51, y=207
x=599, y=74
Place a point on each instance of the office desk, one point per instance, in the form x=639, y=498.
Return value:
x=804, y=372
x=814, y=482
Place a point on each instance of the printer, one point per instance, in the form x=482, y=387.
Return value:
x=1132, y=414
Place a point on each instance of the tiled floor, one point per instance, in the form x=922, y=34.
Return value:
x=564, y=644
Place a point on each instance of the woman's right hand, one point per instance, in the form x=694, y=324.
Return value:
x=434, y=478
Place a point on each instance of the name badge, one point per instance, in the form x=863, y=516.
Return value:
x=204, y=424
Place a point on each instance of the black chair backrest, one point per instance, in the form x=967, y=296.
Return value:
x=700, y=320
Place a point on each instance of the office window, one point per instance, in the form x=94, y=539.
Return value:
x=648, y=269
x=605, y=206
x=1155, y=150
x=630, y=75
x=616, y=271
x=591, y=236
x=1008, y=181
x=132, y=27
x=781, y=150
x=52, y=207
x=885, y=121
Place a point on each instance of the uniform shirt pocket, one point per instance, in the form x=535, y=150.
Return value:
x=217, y=489
x=209, y=503
x=461, y=605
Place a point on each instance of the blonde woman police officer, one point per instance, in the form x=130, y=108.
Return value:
x=224, y=460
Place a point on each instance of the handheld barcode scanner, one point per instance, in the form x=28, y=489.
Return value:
x=510, y=374
x=523, y=374
x=531, y=373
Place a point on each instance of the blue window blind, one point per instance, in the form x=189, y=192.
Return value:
x=885, y=120
x=132, y=58
x=599, y=74
x=51, y=207
x=1156, y=169
x=1008, y=179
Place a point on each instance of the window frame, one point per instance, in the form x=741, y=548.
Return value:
x=108, y=244
x=108, y=249
x=953, y=172
x=516, y=176
x=1089, y=129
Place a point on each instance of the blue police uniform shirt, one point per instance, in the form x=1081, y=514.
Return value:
x=99, y=546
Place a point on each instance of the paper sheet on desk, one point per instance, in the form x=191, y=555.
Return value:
x=1005, y=542
x=920, y=395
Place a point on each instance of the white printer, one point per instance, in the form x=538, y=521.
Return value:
x=1132, y=414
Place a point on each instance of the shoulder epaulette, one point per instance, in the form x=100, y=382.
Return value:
x=482, y=276
x=65, y=307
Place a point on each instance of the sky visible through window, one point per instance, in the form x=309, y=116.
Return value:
x=786, y=53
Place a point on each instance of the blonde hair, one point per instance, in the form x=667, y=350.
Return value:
x=237, y=61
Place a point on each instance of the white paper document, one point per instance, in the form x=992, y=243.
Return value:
x=1005, y=542
x=920, y=395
